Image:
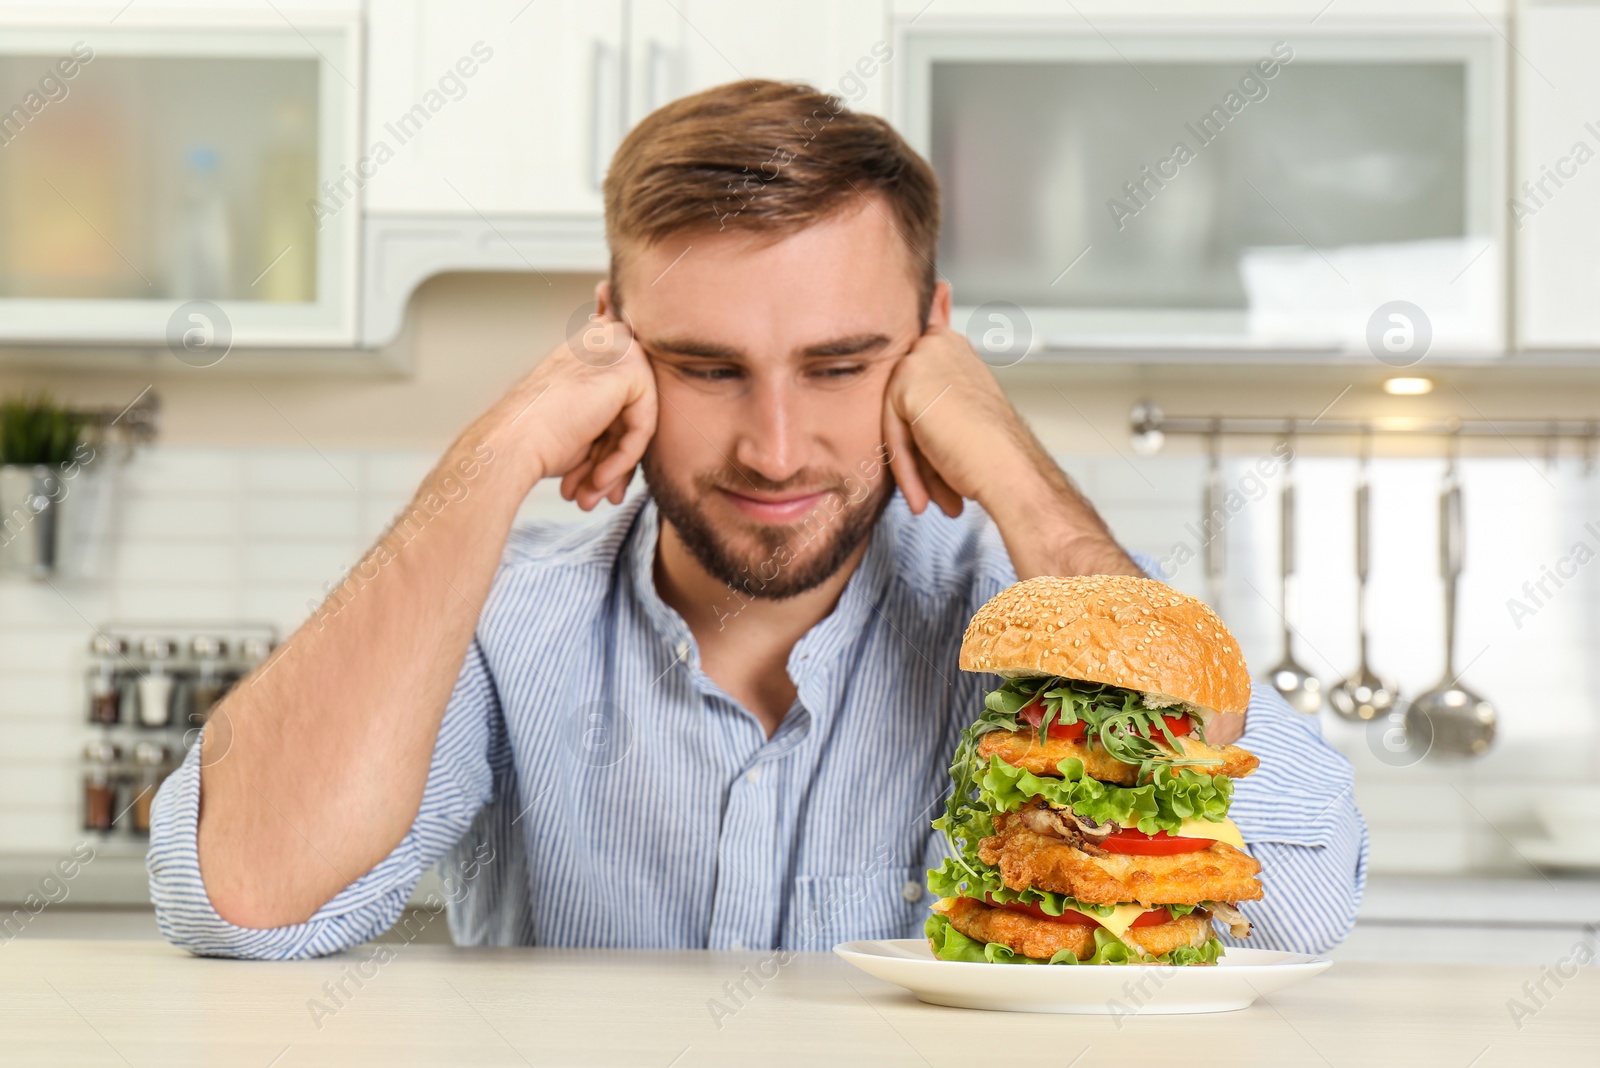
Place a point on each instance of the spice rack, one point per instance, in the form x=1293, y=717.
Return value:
x=148, y=692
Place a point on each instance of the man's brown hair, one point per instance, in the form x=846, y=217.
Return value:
x=766, y=157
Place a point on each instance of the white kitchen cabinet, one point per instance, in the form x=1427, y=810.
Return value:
x=1309, y=17
x=1555, y=197
x=555, y=84
x=494, y=109
x=507, y=174
x=683, y=46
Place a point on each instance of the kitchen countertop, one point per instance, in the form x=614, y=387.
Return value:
x=1534, y=900
x=138, y=1003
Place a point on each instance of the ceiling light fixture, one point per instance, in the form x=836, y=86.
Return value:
x=1407, y=387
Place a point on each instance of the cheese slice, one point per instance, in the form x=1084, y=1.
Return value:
x=1120, y=920
x=1216, y=830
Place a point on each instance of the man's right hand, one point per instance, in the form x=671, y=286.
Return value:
x=314, y=768
x=585, y=414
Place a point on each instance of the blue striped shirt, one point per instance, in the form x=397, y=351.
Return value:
x=592, y=786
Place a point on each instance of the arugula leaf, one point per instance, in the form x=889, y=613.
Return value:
x=1118, y=719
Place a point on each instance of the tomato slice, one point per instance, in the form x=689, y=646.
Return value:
x=1178, y=725
x=1152, y=918
x=1033, y=715
x=1032, y=908
x=1161, y=844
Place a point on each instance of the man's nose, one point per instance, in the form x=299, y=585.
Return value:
x=769, y=440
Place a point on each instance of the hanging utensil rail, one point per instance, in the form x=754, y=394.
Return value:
x=1148, y=420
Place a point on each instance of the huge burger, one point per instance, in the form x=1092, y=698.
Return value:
x=1088, y=822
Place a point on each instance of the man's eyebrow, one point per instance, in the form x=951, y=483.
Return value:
x=847, y=346
x=853, y=345
x=682, y=346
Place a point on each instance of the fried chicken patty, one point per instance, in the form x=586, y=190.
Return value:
x=1043, y=862
x=1024, y=750
x=1042, y=939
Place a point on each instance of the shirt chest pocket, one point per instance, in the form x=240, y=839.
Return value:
x=828, y=909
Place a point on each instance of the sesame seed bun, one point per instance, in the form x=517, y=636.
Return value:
x=1113, y=629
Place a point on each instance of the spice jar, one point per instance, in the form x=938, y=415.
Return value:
x=100, y=758
x=150, y=763
x=208, y=684
x=105, y=680
x=155, y=686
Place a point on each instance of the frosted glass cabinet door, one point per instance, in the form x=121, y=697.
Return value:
x=143, y=167
x=1215, y=190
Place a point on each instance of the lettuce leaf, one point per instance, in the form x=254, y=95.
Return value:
x=951, y=944
x=1157, y=806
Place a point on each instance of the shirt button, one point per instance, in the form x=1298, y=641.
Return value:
x=738, y=943
x=912, y=891
x=683, y=650
x=753, y=775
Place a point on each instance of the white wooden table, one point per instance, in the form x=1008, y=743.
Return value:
x=139, y=1003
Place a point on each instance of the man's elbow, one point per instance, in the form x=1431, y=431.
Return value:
x=1313, y=893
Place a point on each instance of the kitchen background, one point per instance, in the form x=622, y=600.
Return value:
x=280, y=257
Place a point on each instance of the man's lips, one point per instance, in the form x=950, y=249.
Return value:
x=775, y=508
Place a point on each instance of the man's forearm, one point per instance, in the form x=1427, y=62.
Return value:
x=314, y=767
x=1048, y=526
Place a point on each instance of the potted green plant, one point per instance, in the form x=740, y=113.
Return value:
x=39, y=440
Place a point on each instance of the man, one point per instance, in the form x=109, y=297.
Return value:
x=721, y=716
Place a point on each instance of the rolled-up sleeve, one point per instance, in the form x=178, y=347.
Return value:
x=1298, y=815
x=459, y=783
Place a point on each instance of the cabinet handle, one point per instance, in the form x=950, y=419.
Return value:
x=604, y=105
x=658, y=87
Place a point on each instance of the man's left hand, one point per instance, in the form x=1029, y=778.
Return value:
x=955, y=436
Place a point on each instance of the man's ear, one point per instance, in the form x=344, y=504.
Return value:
x=939, y=307
x=602, y=298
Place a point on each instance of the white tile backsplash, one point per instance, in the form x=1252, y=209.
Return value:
x=228, y=535
x=336, y=472
x=179, y=563
x=303, y=564
x=178, y=518
x=302, y=518
x=38, y=784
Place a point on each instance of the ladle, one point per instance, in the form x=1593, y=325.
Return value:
x=1363, y=696
x=1298, y=686
x=1460, y=722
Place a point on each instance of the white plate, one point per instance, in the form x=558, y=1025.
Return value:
x=1241, y=976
